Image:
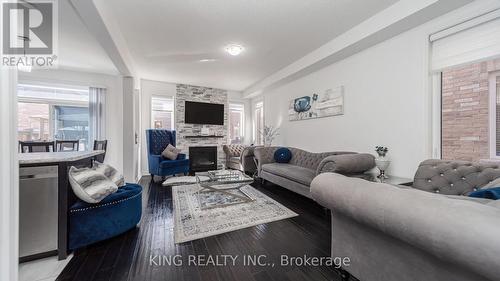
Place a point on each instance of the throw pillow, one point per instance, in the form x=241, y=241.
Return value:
x=488, y=193
x=282, y=155
x=170, y=152
x=110, y=172
x=90, y=185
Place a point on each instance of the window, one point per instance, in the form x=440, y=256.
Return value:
x=465, y=65
x=259, y=123
x=162, y=113
x=236, y=122
x=470, y=111
x=53, y=113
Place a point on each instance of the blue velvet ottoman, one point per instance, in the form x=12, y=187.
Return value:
x=115, y=214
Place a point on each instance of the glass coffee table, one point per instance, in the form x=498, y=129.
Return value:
x=225, y=188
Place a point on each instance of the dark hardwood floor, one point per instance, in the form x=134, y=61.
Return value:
x=128, y=256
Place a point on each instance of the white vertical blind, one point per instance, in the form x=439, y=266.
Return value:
x=476, y=43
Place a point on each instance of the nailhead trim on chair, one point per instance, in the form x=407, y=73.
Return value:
x=107, y=204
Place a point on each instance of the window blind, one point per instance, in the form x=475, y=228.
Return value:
x=471, y=44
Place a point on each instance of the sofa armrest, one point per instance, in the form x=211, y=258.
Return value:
x=457, y=231
x=264, y=155
x=248, y=152
x=346, y=164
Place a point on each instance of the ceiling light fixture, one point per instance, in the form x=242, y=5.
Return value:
x=234, y=49
x=207, y=60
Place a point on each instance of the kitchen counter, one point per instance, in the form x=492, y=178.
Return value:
x=45, y=197
x=55, y=157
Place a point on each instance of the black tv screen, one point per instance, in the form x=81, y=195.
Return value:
x=204, y=113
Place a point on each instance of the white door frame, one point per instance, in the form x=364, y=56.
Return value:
x=436, y=115
x=9, y=176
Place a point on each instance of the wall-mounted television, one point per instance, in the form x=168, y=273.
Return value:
x=204, y=113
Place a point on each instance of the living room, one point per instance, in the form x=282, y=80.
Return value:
x=188, y=140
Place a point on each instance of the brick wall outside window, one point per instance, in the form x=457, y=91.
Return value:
x=465, y=111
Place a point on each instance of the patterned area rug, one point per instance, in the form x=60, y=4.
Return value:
x=191, y=222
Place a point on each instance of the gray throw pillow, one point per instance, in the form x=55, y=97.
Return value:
x=90, y=185
x=170, y=152
x=110, y=172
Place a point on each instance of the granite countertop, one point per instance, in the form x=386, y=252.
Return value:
x=55, y=157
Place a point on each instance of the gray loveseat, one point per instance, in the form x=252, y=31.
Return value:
x=429, y=231
x=304, y=166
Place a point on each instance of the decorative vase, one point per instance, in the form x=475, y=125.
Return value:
x=382, y=164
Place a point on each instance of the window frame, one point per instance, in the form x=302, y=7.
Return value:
x=493, y=114
x=162, y=97
x=242, y=127
x=258, y=138
x=51, y=102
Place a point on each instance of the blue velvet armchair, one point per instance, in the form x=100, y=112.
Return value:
x=157, y=140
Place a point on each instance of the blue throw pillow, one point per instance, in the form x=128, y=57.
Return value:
x=489, y=193
x=282, y=155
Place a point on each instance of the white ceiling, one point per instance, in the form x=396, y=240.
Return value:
x=77, y=48
x=167, y=38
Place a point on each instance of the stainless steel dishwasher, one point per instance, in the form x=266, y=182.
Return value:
x=37, y=210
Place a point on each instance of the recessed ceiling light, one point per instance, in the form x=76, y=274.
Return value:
x=234, y=49
x=207, y=60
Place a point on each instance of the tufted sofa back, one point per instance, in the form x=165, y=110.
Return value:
x=300, y=157
x=158, y=139
x=308, y=159
x=233, y=150
x=454, y=177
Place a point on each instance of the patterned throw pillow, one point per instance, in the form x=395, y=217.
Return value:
x=282, y=155
x=170, y=152
x=110, y=172
x=90, y=185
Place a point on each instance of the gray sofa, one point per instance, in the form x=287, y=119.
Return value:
x=304, y=166
x=240, y=157
x=429, y=231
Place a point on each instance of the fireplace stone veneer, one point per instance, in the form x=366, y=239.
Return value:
x=202, y=158
x=185, y=132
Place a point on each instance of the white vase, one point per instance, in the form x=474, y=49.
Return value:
x=382, y=164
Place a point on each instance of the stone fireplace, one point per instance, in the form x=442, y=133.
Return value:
x=202, y=158
x=190, y=135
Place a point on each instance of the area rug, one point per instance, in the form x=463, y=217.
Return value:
x=191, y=222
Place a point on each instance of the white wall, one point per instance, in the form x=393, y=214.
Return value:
x=9, y=176
x=148, y=89
x=114, y=103
x=387, y=100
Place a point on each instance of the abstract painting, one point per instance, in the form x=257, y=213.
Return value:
x=329, y=103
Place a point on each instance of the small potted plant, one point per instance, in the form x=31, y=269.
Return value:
x=381, y=151
x=381, y=162
x=269, y=133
